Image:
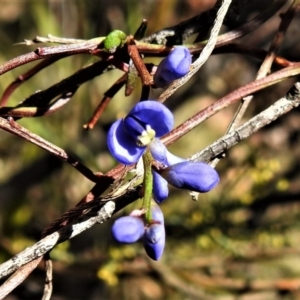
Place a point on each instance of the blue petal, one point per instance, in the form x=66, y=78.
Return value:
x=128, y=229
x=122, y=146
x=162, y=155
x=154, y=241
x=195, y=176
x=157, y=214
x=133, y=127
x=160, y=188
x=174, y=66
x=158, y=116
x=173, y=159
x=159, y=151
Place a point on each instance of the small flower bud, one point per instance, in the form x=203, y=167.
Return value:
x=174, y=66
x=157, y=215
x=128, y=229
x=154, y=240
x=160, y=188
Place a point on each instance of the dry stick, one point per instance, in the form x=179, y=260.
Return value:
x=48, y=288
x=280, y=107
x=264, y=68
x=51, y=39
x=206, y=52
x=85, y=203
x=132, y=74
x=268, y=61
x=91, y=45
x=46, y=52
x=223, y=39
x=162, y=35
x=254, y=52
x=229, y=99
x=21, y=111
x=180, y=32
x=108, y=95
x=46, y=244
x=246, y=28
x=24, y=77
x=18, y=130
x=17, y=278
x=38, y=102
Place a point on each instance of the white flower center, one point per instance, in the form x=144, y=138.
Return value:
x=146, y=137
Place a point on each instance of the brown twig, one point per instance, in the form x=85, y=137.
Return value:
x=265, y=67
x=11, y=126
x=224, y=39
x=229, y=99
x=21, y=111
x=108, y=95
x=204, y=55
x=24, y=77
x=48, y=287
x=46, y=52
x=138, y=62
x=268, y=61
x=18, y=277
x=253, y=52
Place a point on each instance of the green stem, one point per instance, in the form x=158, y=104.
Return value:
x=148, y=184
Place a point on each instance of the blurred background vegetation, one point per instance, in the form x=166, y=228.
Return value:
x=240, y=241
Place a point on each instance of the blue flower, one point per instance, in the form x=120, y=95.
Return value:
x=195, y=176
x=128, y=229
x=174, y=66
x=183, y=174
x=131, y=228
x=127, y=138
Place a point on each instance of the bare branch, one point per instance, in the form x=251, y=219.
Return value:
x=47, y=243
x=229, y=99
x=206, y=52
x=279, y=108
x=16, y=129
x=267, y=63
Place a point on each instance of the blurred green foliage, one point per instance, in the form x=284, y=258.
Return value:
x=238, y=241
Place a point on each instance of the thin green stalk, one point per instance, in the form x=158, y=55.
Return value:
x=148, y=183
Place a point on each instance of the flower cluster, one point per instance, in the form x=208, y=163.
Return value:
x=138, y=135
x=131, y=228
